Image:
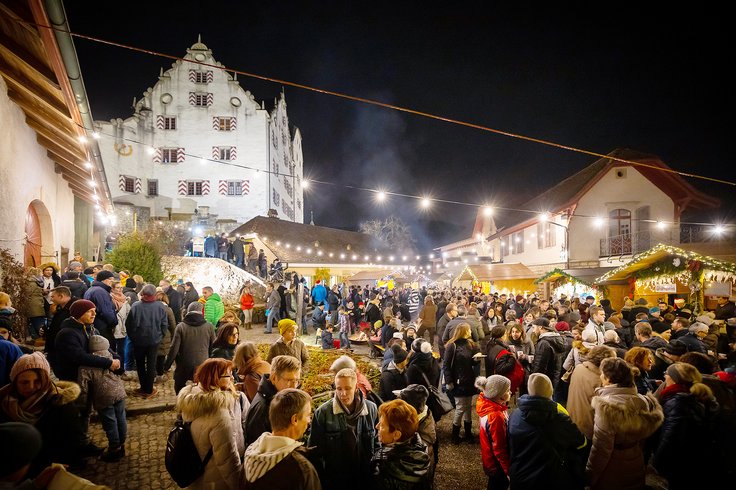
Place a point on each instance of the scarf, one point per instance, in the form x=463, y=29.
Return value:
x=672, y=390
x=352, y=418
x=31, y=409
x=118, y=298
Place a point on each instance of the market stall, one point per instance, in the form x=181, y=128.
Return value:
x=665, y=270
x=378, y=278
x=510, y=279
x=558, y=282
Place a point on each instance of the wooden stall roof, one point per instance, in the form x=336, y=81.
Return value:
x=375, y=275
x=496, y=272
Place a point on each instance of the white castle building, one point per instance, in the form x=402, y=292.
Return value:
x=199, y=146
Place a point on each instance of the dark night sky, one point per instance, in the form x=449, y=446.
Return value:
x=589, y=78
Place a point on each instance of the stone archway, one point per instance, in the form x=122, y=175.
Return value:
x=39, y=246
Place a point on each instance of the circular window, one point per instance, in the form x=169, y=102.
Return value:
x=199, y=57
x=166, y=98
x=235, y=101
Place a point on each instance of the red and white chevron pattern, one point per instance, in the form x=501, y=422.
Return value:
x=215, y=153
x=205, y=187
x=121, y=183
x=179, y=155
x=210, y=76
x=233, y=153
x=159, y=122
x=223, y=188
x=157, y=157
x=138, y=186
x=192, y=76
x=183, y=187
x=193, y=98
x=245, y=186
x=233, y=123
x=216, y=123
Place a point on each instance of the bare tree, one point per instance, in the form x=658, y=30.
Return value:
x=392, y=231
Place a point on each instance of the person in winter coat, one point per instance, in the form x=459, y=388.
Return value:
x=665, y=356
x=345, y=361
x=427, y=319
x=585, y=378
x=225, y=342
x=107, y=391
x=36, y=310
x=214, y=308
x=402, y=461
x=541, y=436
x=522, y=346
x=423, y=369
x=76, y=285
x=32, y=398
x=344, y=435
x=288, y=344
x=549, y=351
x=328, y=341
x=174, y=299
x=623, y=421
x=460, y=368
x=99, y=293
x=215, y=410
x=285, y=373
x=595, y=324
x=246, y=306
x=190, y=346
x=165, y=345
x=122, y=308
x=393, y=378
x=147, y=324
x=690, y=410
x=416, y=396
x=500, y=359
x=273, y=305
x=277, y=460
x=493, y=420
x=642, y=359
x=250, y=369
x=190, y=295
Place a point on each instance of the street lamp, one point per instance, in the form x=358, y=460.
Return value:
x=545, y=218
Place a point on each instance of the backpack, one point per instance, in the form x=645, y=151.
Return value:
x=512, y=370
x=182, y=459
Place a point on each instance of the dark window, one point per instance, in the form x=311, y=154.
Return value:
x=152, y=187
x=235, y=188
x=194, y=188
x=129, y=184
x=168, y=155
x=170, y=122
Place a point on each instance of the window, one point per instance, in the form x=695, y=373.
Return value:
x=226, y=153
x=194, y=188
x=152, y=187
x=225, y=123
x=276, y=197
x=169, y=123
x=235, y=188
x=546, y=236
x=129, y=184
x=200, y=77
x=200, y=100
x=619, y=223
x=504, y=243
x=517, y=242
x=168, y=155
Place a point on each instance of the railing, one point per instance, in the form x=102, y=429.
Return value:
x=641, y=241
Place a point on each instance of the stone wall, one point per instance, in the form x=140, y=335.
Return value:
x=224, y=278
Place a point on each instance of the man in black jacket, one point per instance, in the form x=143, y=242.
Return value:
x=174, y=298
x=62, y=298
x=285, y=373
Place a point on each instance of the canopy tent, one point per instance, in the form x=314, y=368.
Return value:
x=513, y=278
x=671, y=270
x=558, y=282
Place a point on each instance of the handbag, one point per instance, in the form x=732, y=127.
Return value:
x=437, y=401
x=566, y=375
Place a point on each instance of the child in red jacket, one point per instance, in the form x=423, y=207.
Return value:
x=491, y=408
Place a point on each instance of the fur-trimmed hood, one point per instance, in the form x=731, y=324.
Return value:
x=66, y=392
x=193, y=402
x=628, y=411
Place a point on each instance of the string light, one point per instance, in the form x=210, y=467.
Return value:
x=381, y=196
x=426, y=202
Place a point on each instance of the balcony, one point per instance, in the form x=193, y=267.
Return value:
x=644, y=240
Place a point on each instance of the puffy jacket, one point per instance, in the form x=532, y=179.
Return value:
x=423, y=363
x=72, y=350
x=191, y=343
x=548, y=356
x=147, y=323
x=460, y=368
x=77, y=287
x=428, y=314
x=256, y=421
x=494, y=449
x=106, y=318
x=214, y=308
x=402, y=465
x=391, y=380
x=246, y=301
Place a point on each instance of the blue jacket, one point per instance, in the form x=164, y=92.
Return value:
x=72, y=350
x=9, y=353
x=327, y=340
x=147, y=323
x=319, y=318
x=319, y=293
x=106, y=318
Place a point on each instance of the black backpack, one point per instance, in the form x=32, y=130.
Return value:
x=182, y=459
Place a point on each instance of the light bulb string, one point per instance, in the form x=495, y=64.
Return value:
x=387, y=106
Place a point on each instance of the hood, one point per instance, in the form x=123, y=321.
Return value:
x=554, y=339
x=215, y=297
x=66, y=392
x=265, y=453
x=627, y=410
x=193, y=402
x=537, y=410
x=194, y=319
x=484, y=406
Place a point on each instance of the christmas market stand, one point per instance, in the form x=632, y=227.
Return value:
x=558, y=282
x=664, y=271
x=512, y=279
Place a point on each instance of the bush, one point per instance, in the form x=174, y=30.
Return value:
x=138, y=256
x=14, y=282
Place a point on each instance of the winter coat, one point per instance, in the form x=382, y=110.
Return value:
x=661, y=363
x=654, y=343
x=548, y=356
x=476, y=328
x=147, y=323
x=623, y=421
x=319, y=294
x=459, y=367
x=256, y=421
x=77, y=287
x=224, y=352
x=402, y=465
x=584, y=380
x=592, y=330
x=328, y=341
x=72, y=350
x=213, y=427
x=295, y=349
x=452, y=325
x=540, y=436
x=102, y=385
x=493, y=436
x=279, y=463
x=9, y=353
x=246, y=301
x=120, y=331
x=189, y=297
x=106, y=318
x=423, y=364
x=35, y=299
x=191, y=344
x=693, y=343
x=61, y=314
x=341, y=459
x=688, y=423
x=428, y=315
x=165, y=345
x=273, y=302
x=175, y=303
x=214, y=308
x=391, y=380
x=427, y=430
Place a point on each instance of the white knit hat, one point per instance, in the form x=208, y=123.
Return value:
x=540, y=385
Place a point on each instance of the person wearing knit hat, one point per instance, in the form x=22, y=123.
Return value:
x=32, y=398
x=539, y=385
x=423, y=368
x=562, y=326
x=690, y=417
x=491, y=408
x=394, y=376
x=288, y=344
x=100, y=293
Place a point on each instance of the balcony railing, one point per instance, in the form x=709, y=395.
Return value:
x=641, y=241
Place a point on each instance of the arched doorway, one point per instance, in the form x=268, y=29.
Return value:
x=39, y=246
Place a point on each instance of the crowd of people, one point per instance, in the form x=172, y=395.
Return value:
x=568, y=393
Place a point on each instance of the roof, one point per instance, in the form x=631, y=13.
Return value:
x=375, y=275
x=301, y=243
x=569, y=191
x=496, y=272
x=556, y=274
x=671, y=260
